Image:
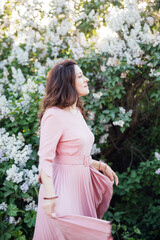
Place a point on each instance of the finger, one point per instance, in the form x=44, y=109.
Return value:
x=53, y=215
x=111, y=177
x=116, y=179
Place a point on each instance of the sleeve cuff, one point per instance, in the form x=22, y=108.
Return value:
x=47, y=169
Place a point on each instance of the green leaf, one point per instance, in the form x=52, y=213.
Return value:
x=21, y=238
x=9, y=192
x=136, y=230
x=155, y=63
x=12, y=210
x=5, y=236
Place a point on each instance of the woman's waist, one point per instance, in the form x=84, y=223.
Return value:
x=73, y=160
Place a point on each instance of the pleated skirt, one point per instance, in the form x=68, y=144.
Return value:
x=84, y=196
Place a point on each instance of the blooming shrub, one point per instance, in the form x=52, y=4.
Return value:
x=139, y=200
x=117, y=44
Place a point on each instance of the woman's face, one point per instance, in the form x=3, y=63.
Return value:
x=81, y=82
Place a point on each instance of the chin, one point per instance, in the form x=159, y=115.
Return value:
x=86, y=93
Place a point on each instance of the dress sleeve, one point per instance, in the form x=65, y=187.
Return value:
x=50, y=133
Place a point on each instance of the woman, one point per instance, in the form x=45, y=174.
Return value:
x=73, y=195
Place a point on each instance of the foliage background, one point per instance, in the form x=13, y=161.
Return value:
x=117, y=45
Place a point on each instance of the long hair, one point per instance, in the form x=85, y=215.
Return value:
x=60, y=88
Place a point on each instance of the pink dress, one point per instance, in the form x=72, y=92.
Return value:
x=84, y=192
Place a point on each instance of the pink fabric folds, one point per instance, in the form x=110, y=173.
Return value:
x=84, y=192
x=69, y=226
x=103, y=191
x=80, y=227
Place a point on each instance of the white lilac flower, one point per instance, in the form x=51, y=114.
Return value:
x=12, y=220
x=113, y=61
x=97, y=95
x=14, y=174
x=2, y=157
x=50, y=63
x=1, y=89
x=28, y=199
x=38, y=132
x=91, y=115
x=91, y=15
x=142, y=6
x=103, y=138
x=157, y=74
x=29, y=87
x=76, y=48
x=22, y=56
x=24, y=187
x=3, y=63
x=30, y=177
x=14, y=148
x=103, y=120
x=34, y=169
x=17, y=81
x=138, y=61
x=153, y=73
x=41, y=70
x=158, y=171
x=3, y=206
x=124, y=74
x=122, y=110
x=130, y=111
x=20, y=137
x=2, y=8
x=41, y=89
x=157, y=155
x=95, y=150
x=106, y=127
x=22, y=156
x=116, y=19
x=4, y=107
x=82, y=40
x=4, y=79
x=24, y=103
x=24, y=19
x=103, y=68
x=118, y=123
x=30, y=206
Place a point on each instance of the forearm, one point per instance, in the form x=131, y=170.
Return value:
x=96, y=165
x=48, y=184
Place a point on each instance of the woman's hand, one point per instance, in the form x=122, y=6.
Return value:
x=49, y=207
x=107, y=171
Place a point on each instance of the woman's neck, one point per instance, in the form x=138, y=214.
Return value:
x=72, y=108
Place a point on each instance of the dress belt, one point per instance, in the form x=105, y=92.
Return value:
x=73, y=160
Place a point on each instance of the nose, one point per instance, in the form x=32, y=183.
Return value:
x=86, y=79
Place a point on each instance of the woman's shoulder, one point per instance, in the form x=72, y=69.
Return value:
x=60, y=114
x=51, y=111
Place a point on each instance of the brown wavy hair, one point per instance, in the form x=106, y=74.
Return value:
x=60, y=88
